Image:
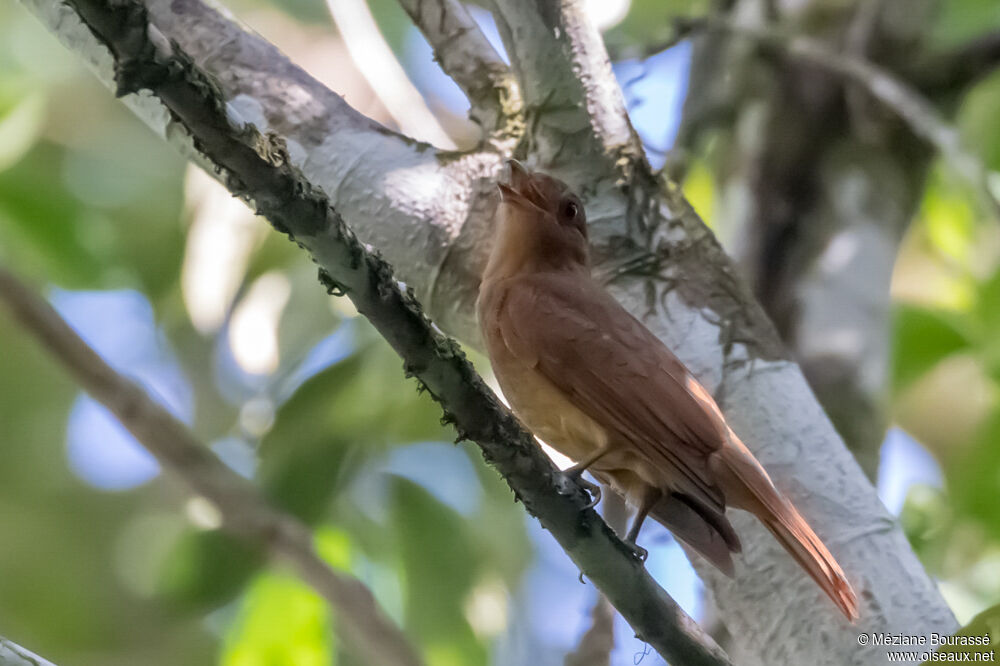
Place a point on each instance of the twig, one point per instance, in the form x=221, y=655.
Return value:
x=256, y=169
x=12, y=654
x=378, y=64
x=244, y=512
x=907, y=103
x=465, y=55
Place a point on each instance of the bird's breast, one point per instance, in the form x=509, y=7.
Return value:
x=540, y=405
x=547, y=412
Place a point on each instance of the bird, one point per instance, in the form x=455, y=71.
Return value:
x=590, y=380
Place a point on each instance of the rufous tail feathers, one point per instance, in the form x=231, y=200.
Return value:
x=749, y=487
x=801, y=542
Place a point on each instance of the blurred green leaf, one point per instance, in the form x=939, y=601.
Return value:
x=40, y=221
x=921, y=339
x=977, y=120
x=651, y=21
x=987, y=308
x=974, y=477
x=926, y=520
x=439, y=569
x=699, y=188
x=358, y=406
x=282, y=622
x=306, y=456
x=983, y=627
x=960, y=20
x=950, y=220
x=987, y=315
x=76, y=244
x=206, y=568
x=20, y=126
x=334, y=545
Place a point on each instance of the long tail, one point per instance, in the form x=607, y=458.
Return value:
x=750, y=488
x=710, y=535
x=801, y=542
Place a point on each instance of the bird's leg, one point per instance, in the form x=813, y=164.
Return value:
x=593, y=489
x=580, y=467
x=649, y=499
x=576, y=473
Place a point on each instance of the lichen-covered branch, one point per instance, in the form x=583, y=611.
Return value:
x=255, y=168
x=465, y=55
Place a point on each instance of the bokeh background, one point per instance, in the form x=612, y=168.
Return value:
x=105, y=561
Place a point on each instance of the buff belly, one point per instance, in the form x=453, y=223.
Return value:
x=555, y=420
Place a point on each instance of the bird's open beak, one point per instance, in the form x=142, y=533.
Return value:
x=520, y=177
x=521, y=189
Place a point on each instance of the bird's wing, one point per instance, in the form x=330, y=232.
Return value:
x=615, y=370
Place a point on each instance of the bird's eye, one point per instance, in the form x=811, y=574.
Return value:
x=570, y=211
x=571, y=215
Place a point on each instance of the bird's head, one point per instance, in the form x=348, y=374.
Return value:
x=542, y=222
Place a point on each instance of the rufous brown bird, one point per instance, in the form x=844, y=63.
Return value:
x=590, y=380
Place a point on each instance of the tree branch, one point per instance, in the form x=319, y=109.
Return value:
x=575, y=110
x=255, y=168
x=907, y=103
x=12, y=654
x=243, y=510
x=470, y=60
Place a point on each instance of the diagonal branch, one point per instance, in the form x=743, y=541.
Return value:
x=255, y=168
x=244, y=512
x=465, y=55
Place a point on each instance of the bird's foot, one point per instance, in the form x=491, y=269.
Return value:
x=593, y=489
x=638, y=551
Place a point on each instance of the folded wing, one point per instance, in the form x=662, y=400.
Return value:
x=612, y=368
